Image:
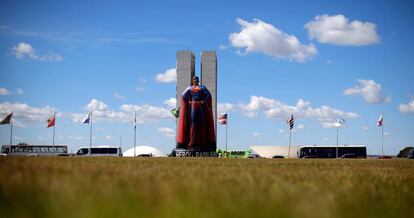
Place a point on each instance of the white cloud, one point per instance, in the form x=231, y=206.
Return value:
x=340, y=122
x=337, y=29
x=170, y=133
x=4, y=91
x=281, y=131
x=148, y=113
x=169, y=76
x=96, y=105
x=25, y=113
x=365, y=128
x=300, y=126
x=50, y=56
x=101, y=112
x=330, y=124
x=118, y=116
x=171, y=103
x=225, y=108
x=271, y=108
x=118, y=96
x=22, y=50
x=265, y=38
x=407, y=108
x=369, y=90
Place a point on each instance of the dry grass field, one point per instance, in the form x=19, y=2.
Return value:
x=204, y=187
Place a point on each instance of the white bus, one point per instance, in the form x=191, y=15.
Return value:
x=34, y=150
x=101, y=150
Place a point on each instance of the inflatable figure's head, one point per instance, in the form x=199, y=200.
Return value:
x=195, y=81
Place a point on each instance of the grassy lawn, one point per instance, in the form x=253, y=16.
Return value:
x=204, y=187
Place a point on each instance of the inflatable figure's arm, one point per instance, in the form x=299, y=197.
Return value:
x=186, y=94
x=207, y=94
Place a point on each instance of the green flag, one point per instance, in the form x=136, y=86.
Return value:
x=175, y=112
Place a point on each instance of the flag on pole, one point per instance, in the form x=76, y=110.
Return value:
x=7, y=119
x=87, y=118
x=222, y=119
x=291, y=121
x=380, y=121
x=51, y=121
x=339, y=122
x=135, y=120
x=175, y=112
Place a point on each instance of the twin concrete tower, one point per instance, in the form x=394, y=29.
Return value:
x=186, y=71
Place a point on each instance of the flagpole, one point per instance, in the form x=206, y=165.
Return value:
x=53, y=141
x=11, y=131
x=54, y=128
x=90, y=138
x=135, y=133
x=337, y=141
x=226, y=135
x=291, y=122
x=382, y=141
x=290, y=140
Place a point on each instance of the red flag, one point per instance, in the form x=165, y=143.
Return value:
x=51, y=121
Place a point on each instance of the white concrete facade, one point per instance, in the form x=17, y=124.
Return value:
x=269, y=151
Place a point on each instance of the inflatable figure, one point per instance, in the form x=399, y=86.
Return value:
x=195, y=124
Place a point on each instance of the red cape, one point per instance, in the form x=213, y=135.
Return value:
x=196, y=136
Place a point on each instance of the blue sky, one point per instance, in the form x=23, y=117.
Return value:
x=318, y=60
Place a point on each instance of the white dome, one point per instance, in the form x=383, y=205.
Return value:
x=144, y=150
